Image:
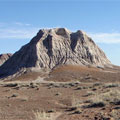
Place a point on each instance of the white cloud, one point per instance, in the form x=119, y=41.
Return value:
x=18, y=33
x=2, y=24
x=21, y=24
x=17, y=30
x=105, y=37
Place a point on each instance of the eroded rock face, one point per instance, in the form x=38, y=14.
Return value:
x=53, y=47
x=4, y=57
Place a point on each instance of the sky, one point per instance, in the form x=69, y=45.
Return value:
x=20, y=20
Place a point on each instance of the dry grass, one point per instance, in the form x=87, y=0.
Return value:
x=75, y=102
x=102, y=99
x=115, y=114
x=42, y=115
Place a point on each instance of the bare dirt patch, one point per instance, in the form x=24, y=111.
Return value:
x=89, y=95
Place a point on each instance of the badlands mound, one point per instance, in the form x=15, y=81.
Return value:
x=4, y=57
x=53, y=47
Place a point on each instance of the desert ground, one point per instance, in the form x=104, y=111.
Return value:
x=65, y=93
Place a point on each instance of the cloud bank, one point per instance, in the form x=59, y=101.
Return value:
x=108, y=38
x=17, y=33
x=18, y=30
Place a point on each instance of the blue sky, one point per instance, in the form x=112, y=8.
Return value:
x=20, y=20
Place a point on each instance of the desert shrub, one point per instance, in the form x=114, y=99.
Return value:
x=89, y=93
x=110, y=85
x=96, y=104
x=11, y=85
x=112, y=97
x=102, y=99
x=97, y=84
x=96, y=101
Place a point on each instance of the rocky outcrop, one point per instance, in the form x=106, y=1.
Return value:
x=53, y=47
x=4, y=57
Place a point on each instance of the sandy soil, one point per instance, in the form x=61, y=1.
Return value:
x=66, y=93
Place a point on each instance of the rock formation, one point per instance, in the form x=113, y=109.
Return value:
x=4, y=57
x=53, y=47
